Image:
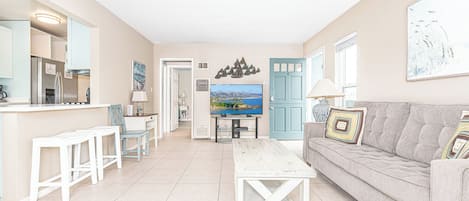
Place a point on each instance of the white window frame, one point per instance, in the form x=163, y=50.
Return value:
x=340, y=68
x=320, y=52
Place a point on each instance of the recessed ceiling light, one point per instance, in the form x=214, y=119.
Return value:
x=47, y=18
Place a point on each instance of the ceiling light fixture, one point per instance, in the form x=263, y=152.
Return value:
x=47, y=18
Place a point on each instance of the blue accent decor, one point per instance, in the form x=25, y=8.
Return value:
x=117, y=119
x=321, y=111
x=287, y=101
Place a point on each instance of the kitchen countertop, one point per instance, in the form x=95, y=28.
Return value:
x=46, y=107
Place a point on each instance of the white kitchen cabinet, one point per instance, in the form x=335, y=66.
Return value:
x=79, y=46
x=48, y=46
x=40, y=44
x=58, y=49
x=6, y=52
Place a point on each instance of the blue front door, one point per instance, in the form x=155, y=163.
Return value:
x=287, y=98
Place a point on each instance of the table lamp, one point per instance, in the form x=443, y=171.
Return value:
x=323, y=90
x=139, y=97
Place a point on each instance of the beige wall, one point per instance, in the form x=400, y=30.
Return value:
x=221, y=55
x=381, y=26
x=114, y=45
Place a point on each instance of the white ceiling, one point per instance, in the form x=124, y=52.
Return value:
x=228, y=21
x=59, y=30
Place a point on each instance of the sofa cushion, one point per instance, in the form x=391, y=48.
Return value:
x=400, y=178
x=458, y=145
x=428, y=130
x=346, y=124
x=384, y=123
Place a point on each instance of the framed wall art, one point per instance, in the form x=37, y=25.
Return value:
x=138, y=76
x=438, y=42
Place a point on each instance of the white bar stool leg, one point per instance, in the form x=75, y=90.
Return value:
x=71, y=161
x=99, y=156
x=92, y=153
x=76, y=161
x=36, y=163
x=65, y=173
x=117, y=139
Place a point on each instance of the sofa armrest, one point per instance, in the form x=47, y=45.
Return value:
x=449, y=180
x=312, y=130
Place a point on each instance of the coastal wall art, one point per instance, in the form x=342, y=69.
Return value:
x=438, y=42
x=138, y=76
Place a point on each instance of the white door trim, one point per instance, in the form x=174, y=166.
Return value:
x=161, y=71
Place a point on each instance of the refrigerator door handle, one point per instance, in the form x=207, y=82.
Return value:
x=56, y=88
x=61, y=88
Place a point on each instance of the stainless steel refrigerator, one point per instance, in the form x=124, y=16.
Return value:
x=50, y=84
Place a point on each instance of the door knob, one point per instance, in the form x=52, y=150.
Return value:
x=271, y=98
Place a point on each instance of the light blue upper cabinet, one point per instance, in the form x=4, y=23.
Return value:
x=78, y=46
x=6, y=52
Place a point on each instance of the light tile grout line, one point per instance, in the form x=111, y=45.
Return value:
x=136, y=181
x=221, y=170
x=180, y=177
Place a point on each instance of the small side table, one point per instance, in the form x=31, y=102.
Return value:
x=144, y=122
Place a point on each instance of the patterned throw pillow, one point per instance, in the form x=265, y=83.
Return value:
x=458, y=146
x=346, y=124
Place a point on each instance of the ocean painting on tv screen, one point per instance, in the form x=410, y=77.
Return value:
x=236, y=99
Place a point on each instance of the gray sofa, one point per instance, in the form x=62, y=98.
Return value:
x=400, y=154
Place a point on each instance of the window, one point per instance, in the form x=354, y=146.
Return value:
x=346, y=69
x=314, y=73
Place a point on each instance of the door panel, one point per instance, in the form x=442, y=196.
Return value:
x=296, y=88
x=280, y=86
x=296, y=118
x=287, y=113
x=280, y=123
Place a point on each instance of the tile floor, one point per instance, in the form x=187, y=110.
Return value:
x=181, y=170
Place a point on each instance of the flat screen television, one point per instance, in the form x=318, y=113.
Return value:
x=236, y=99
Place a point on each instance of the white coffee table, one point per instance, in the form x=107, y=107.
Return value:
x=258, y=160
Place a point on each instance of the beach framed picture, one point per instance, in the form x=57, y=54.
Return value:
x=138, y=76
x=438, y=42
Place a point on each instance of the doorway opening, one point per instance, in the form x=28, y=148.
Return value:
x=176, y=97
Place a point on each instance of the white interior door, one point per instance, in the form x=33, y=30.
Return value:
x=174, y=100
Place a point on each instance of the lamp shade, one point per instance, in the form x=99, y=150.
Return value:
x=325, y=88
x=139, y=96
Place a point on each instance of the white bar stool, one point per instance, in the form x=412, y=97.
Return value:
x=104, y=161
x=64, y=142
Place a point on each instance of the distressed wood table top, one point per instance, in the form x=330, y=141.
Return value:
x=265, y=158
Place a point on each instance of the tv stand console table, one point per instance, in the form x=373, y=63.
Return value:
x=235, y=128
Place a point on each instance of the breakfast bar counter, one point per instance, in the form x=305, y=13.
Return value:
x=47, y=107
x=19, y=124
